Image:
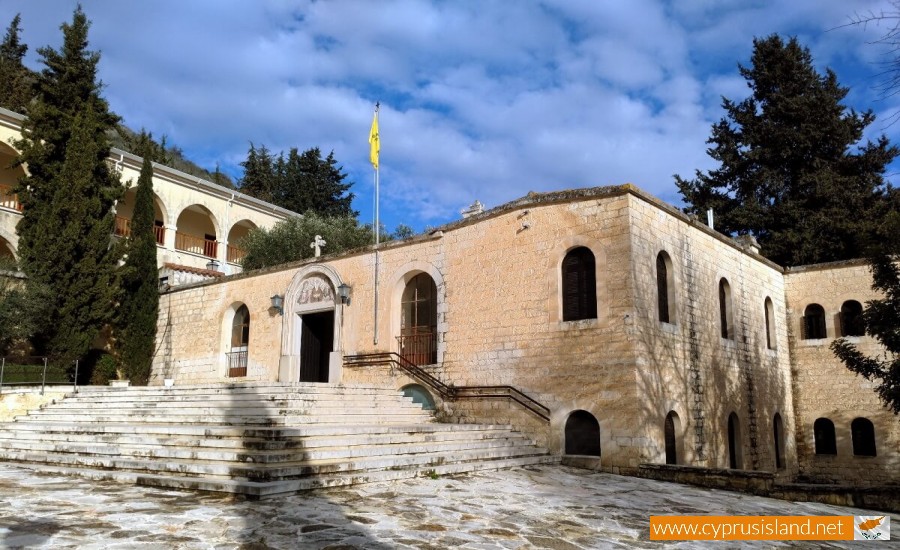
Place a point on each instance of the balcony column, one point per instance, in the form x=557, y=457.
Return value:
x=169, y=237
x=222, y=252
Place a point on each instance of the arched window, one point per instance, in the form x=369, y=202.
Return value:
x=814, y=322
x=770, y=323
x=823, y=431
x=665, y=288
x=582, y=434
x=418, y=320
x=240, y=338
x=725, y=311
x=735, y=443
x=863, y=433
x=852, y=319
x=579, y=285
x=673, y=439
x=778, y=432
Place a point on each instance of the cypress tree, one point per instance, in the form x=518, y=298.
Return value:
x=15, y=79
x=793, y=172
x=68, y=195
x=139, y=306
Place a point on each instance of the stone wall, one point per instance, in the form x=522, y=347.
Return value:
x=686, y=366
x=18, y=401
x=824, y=388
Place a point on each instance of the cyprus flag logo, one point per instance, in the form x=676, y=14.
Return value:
x=871, y=528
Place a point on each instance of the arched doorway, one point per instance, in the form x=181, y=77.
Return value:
x=311, y=348
x=315, y=307
x=778, y=433
x=418, y=321
x=673, y=438
x=582, y=434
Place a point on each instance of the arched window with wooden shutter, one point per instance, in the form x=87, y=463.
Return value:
x=665, y=288
x=862, y=431
x=823, y=432
x=240, y=339
x=852, y=319
x=814, y=322
x=725, y=310
x=769, y=312
x=579, y=285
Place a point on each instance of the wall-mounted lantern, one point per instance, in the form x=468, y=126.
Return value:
x=278, y=303
x=344, y=292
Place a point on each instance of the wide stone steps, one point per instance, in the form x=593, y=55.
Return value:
x=239, y=419
x=265, y=441
x=254, y=440
x=297, y=452
x=269, y=489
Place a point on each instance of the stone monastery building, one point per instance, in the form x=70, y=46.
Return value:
x=599, y=321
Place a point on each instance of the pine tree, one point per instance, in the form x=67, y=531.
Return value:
x=259, y=174
x=793, y=172
x=311, y=183
x=15, y=79
x=139, y=305
x=68, y=195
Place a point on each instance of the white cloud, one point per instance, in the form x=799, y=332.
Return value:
x=480, y=100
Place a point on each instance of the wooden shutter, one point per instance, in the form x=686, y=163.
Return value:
x=579, y=285
x=662, y=288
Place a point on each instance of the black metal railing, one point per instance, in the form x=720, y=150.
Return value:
x=237, y=363
x=31, y=371
x=448, y=391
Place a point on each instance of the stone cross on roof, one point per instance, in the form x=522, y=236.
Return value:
x=318, y=243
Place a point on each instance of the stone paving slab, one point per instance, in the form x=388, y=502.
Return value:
x=542, y=507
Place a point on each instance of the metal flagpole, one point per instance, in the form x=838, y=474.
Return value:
x=374, y=153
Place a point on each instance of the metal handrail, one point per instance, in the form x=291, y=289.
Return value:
x=447, y=391
x=36, y=362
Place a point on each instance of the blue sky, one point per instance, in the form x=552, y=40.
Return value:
x=480, y=100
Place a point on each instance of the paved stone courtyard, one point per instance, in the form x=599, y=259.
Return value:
x=553, y=507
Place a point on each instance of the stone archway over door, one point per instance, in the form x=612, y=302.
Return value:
x=311, y=339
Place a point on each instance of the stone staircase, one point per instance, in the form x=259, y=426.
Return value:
x=255, y=440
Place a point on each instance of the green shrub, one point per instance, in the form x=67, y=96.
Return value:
x=104, y=371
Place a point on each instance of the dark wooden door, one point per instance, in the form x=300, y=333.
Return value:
x=316, y=343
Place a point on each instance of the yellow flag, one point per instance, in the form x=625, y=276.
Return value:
x=374, y=142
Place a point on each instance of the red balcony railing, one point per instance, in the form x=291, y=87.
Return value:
x=237, y=363
x=8, y=199
x=195, y=245
x=418, y=345
x=235, y=254
x=123, y=229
